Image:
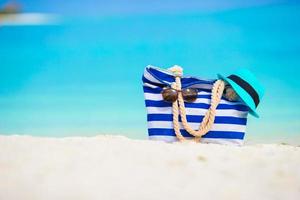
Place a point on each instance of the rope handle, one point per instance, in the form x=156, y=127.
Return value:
x=178, y=107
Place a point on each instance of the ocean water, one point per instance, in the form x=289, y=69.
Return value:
x=83, y=75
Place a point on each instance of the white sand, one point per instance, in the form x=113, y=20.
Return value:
x=107, y=167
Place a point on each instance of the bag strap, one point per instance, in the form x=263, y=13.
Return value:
x=179, y=108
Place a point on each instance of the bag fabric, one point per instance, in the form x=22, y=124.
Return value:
x=230, y=119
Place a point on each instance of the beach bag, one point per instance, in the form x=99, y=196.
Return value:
x=211, y=118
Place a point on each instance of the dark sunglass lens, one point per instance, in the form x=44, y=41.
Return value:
x=169, y=95
x=225, y=89
x=190, y=94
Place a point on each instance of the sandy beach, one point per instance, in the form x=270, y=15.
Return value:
x=115, y=167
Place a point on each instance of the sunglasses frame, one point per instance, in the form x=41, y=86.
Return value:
x=170, y=99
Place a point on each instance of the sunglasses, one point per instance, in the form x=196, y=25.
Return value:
x=230, y=94
x=171, y=95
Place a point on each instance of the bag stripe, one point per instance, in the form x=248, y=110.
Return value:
x=157, y=90
x=148, y=77
x=210, y=134
x=203, y=97
x=157, y=75
x=153, y=90
x=225, y=141
x=198, y=119
x=195, y=126
x=151, y=103
x=198, y=111
x=161, y=76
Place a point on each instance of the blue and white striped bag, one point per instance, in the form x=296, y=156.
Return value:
x=230, y=119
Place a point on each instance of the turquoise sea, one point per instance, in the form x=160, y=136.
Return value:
x=83, y=75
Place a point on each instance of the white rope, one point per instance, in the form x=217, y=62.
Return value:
x=178, y=107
